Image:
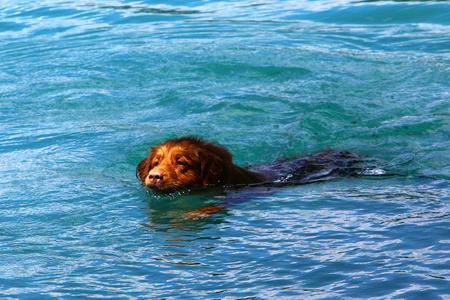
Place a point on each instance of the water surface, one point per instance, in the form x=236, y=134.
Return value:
x=87, y=87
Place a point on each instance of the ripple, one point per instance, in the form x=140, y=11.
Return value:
x=86, y=88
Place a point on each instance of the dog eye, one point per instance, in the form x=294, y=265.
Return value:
x=155, y=164
x=180, y=163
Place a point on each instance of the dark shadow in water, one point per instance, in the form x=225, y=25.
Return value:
x=172, y=212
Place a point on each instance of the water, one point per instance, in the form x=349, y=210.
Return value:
x=87, y=87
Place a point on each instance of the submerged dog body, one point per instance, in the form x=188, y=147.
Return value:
x=188, y=162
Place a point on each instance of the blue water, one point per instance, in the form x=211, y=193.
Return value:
x=87, y=87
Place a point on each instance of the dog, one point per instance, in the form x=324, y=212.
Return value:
x=189, y=162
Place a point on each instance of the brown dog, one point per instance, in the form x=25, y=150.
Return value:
x=188, y=162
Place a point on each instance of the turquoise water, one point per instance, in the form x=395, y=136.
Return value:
x=87, y=87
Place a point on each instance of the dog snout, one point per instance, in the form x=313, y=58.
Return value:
x=155, y=177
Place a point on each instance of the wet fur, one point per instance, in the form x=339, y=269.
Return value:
x=191, y=162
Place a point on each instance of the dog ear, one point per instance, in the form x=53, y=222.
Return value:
x=211, y=168
x=142, y=169
x=214, y=164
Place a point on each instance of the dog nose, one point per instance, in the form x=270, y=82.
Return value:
x=155, y=177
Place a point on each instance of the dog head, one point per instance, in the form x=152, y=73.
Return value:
x=180, y=164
